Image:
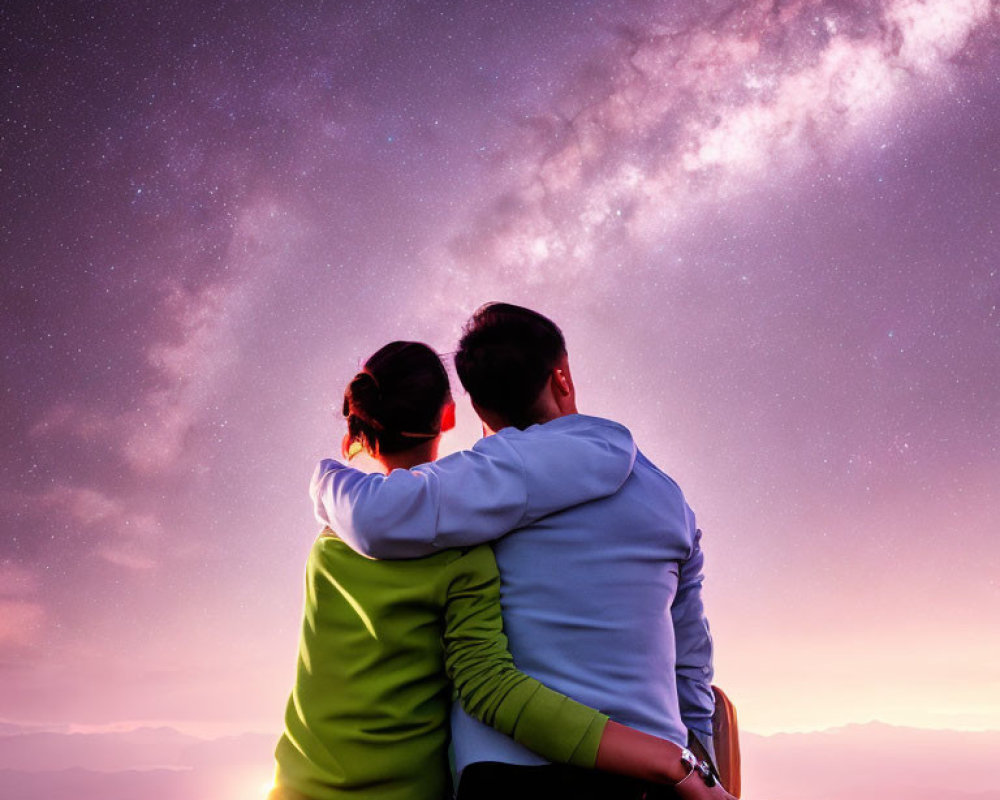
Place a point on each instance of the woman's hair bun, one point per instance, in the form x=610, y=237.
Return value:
x=363, y=399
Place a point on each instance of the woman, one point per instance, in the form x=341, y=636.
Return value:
x=368, y=716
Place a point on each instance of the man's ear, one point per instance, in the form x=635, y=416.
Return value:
x=562, y=381
x=448, y=417
x=561, y=388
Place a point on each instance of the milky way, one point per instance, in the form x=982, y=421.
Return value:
x=769, y=230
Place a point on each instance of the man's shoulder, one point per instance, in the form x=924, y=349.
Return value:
x=571, y=424
x=646, y=463
x=651, y=475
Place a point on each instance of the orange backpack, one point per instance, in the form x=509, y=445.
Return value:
x=726, y=737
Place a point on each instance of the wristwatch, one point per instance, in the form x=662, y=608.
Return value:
x=692, y=765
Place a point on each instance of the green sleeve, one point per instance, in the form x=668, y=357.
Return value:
x=488, y=684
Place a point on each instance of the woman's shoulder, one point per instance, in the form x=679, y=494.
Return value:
x=478, y=561
x=329, y=546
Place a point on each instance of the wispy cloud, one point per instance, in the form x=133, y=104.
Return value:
x=124, y=536
x=201, y=339
x=21, y=615
x=196, y=342
x=186, y=367
x=16, y=581
x=20, y=622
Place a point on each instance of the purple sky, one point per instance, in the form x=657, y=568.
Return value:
x=768, y=229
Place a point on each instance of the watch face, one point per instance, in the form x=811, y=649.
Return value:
x=690, y=759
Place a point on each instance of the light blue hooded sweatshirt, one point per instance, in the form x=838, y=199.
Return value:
x=600, y=564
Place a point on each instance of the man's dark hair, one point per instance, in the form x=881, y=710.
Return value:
x=506, y=355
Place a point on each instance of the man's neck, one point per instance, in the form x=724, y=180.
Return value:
x=552, y=409
x=541, y=419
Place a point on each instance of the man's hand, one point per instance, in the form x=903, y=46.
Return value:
x=693, y=787
x=626, y=751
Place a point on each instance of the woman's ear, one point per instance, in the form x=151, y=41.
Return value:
x=448, y=417
x=348, y=448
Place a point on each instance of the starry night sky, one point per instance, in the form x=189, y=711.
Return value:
x=769, y=231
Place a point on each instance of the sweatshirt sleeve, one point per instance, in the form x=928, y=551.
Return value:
x=504, y=482
x=694, y=644
x=489, y=685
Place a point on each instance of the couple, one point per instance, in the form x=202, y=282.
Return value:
x=600, y=572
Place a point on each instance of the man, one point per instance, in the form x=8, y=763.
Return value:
x=602, y=599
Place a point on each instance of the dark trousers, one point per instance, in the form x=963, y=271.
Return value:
x=489, y=780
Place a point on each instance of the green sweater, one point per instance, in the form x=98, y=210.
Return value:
x=368, y=716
